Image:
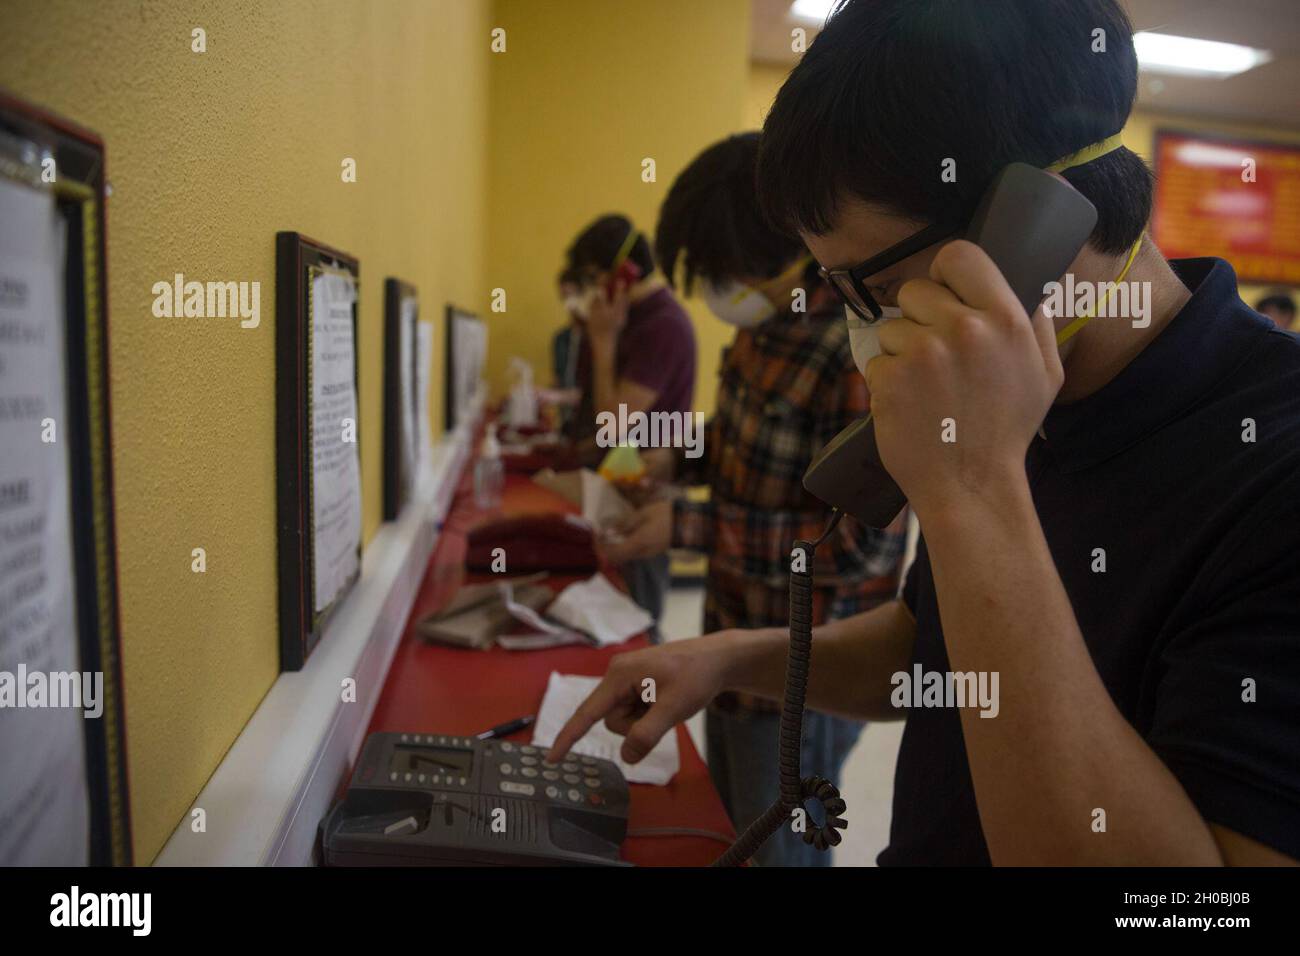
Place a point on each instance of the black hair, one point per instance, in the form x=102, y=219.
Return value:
x=711, y=222
x=597, y=246
x=890, y=89
x=569, y=276
x=1276, y=300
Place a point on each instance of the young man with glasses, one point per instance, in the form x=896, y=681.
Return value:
x=1114, y=531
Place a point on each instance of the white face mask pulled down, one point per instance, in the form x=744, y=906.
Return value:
x=864, y=336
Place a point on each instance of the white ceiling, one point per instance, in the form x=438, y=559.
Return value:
x=1268, y=94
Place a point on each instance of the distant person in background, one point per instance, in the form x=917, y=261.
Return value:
x=637, y=354
x=787, y=386
x=564, y=347
x=564, y=344
x=1279, y=307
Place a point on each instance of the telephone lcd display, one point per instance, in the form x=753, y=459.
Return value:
x=432, y=760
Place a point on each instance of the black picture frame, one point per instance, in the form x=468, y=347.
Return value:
x=398, y=483
x=80, y=159
x=301, y=626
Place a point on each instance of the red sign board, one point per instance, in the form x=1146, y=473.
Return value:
x=1236, y=200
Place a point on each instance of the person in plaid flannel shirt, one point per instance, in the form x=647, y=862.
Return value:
x=787, y=386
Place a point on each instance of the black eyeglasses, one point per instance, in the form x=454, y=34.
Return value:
x=849, y=285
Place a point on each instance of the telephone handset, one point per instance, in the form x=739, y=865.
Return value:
x=623, y=270
x=1032, y=225
x=627, y=274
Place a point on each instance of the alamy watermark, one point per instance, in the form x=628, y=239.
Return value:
x=651, y=430
x=70, y=690
x=133, y=911
x=922, y=688
x=208, y=300
x=1104, y=300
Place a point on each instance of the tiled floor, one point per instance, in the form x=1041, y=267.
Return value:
x=868, y=779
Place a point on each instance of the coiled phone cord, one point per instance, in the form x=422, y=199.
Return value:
x=794, y=788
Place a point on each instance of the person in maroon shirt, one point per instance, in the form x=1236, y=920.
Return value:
x=638, y=351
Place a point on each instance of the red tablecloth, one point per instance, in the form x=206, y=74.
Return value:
x=435, y=689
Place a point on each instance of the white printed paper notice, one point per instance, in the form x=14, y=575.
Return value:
x=44, y=808
x=424, y=432
x=336, y=467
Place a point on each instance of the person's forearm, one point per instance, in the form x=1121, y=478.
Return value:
x=1058, y=754
x=852, y=662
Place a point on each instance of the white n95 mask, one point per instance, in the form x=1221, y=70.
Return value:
x=864, y=336
x=575, y=305
x=737, y=304
x=580, y=304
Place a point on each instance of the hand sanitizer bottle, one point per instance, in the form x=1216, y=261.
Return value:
x=489, y=473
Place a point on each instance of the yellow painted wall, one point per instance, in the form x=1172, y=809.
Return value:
x=208, y=156
x=578, y=101
x=764, y=80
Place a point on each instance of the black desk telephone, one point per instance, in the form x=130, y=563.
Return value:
x=439, y=800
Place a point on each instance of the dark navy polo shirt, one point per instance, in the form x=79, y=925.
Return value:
x=1201, y=588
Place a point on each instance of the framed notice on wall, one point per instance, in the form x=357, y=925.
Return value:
x=318, y=461
x=1235, y=199
x=63, y=785
x=402, y=439
x=466, y=353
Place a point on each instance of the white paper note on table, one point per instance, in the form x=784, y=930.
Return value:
x=336, y=468
x=596, y=607
x=564, y=692
x=552, y=635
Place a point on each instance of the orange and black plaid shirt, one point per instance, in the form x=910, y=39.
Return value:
x=786, y=388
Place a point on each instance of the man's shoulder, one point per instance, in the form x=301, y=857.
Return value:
x=1268, y=380
x=664, y=313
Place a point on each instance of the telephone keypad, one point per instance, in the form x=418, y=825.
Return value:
x=511, y=768
x=585, y=779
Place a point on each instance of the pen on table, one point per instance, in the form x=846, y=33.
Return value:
x=509, y=727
